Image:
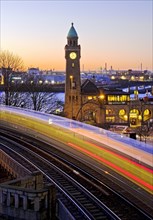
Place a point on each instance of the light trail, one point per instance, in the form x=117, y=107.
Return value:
x=136, y=179
x=121, y=157
x=38, y=122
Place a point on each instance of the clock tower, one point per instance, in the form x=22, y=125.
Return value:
x=73, y=81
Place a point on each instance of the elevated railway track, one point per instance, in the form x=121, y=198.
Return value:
x=90, y=192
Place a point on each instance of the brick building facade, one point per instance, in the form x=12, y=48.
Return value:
x=89, y=103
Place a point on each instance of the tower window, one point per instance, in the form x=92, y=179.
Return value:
x=74, y=85
x=72, y=64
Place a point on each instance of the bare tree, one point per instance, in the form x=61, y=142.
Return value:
x=9, y=60
x=32, y=98
x=16, y=99
x=45, y=102
x=39, y=99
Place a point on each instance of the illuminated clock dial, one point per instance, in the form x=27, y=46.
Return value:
x=73, y=55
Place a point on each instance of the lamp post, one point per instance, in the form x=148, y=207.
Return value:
x=102, y=115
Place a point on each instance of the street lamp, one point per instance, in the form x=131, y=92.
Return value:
x=102, y=115
x=101, y=97
x=71, y=81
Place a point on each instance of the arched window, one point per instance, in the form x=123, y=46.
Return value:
x=123, y=115
x=146, y=114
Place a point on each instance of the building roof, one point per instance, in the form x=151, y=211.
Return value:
x=113, y=91
x=89, y=88
x=72, y=32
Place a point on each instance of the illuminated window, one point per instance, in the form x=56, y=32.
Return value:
x=110, y=119
x=111, y=98
x=141, y=78
x=136, y=92
x=132, y=78
x=136, y=111
x=89, y=97
x=125, y=118
x=124, y=98
x=134, y=116
x=101, y=97
x=109, y=111
x=73, y=85
x=117, y=98
x=123, y=77
x=146, y=114
x=122, y=112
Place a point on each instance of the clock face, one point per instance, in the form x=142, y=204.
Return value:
x=73, y=55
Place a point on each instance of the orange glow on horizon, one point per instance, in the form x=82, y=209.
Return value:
x=88, y=66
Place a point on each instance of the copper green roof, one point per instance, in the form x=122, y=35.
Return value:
x=72, y=32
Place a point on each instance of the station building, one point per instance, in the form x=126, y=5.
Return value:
x=97, y=105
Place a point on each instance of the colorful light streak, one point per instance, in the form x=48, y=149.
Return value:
x=143, y=177
x=136, y=179
x=122, y=157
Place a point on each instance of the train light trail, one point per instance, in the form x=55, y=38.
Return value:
x=132, y=177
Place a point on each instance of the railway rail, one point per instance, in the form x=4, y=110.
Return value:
x=90, y=194
x=130, y=159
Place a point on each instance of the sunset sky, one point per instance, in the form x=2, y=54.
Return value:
x=119, y=33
